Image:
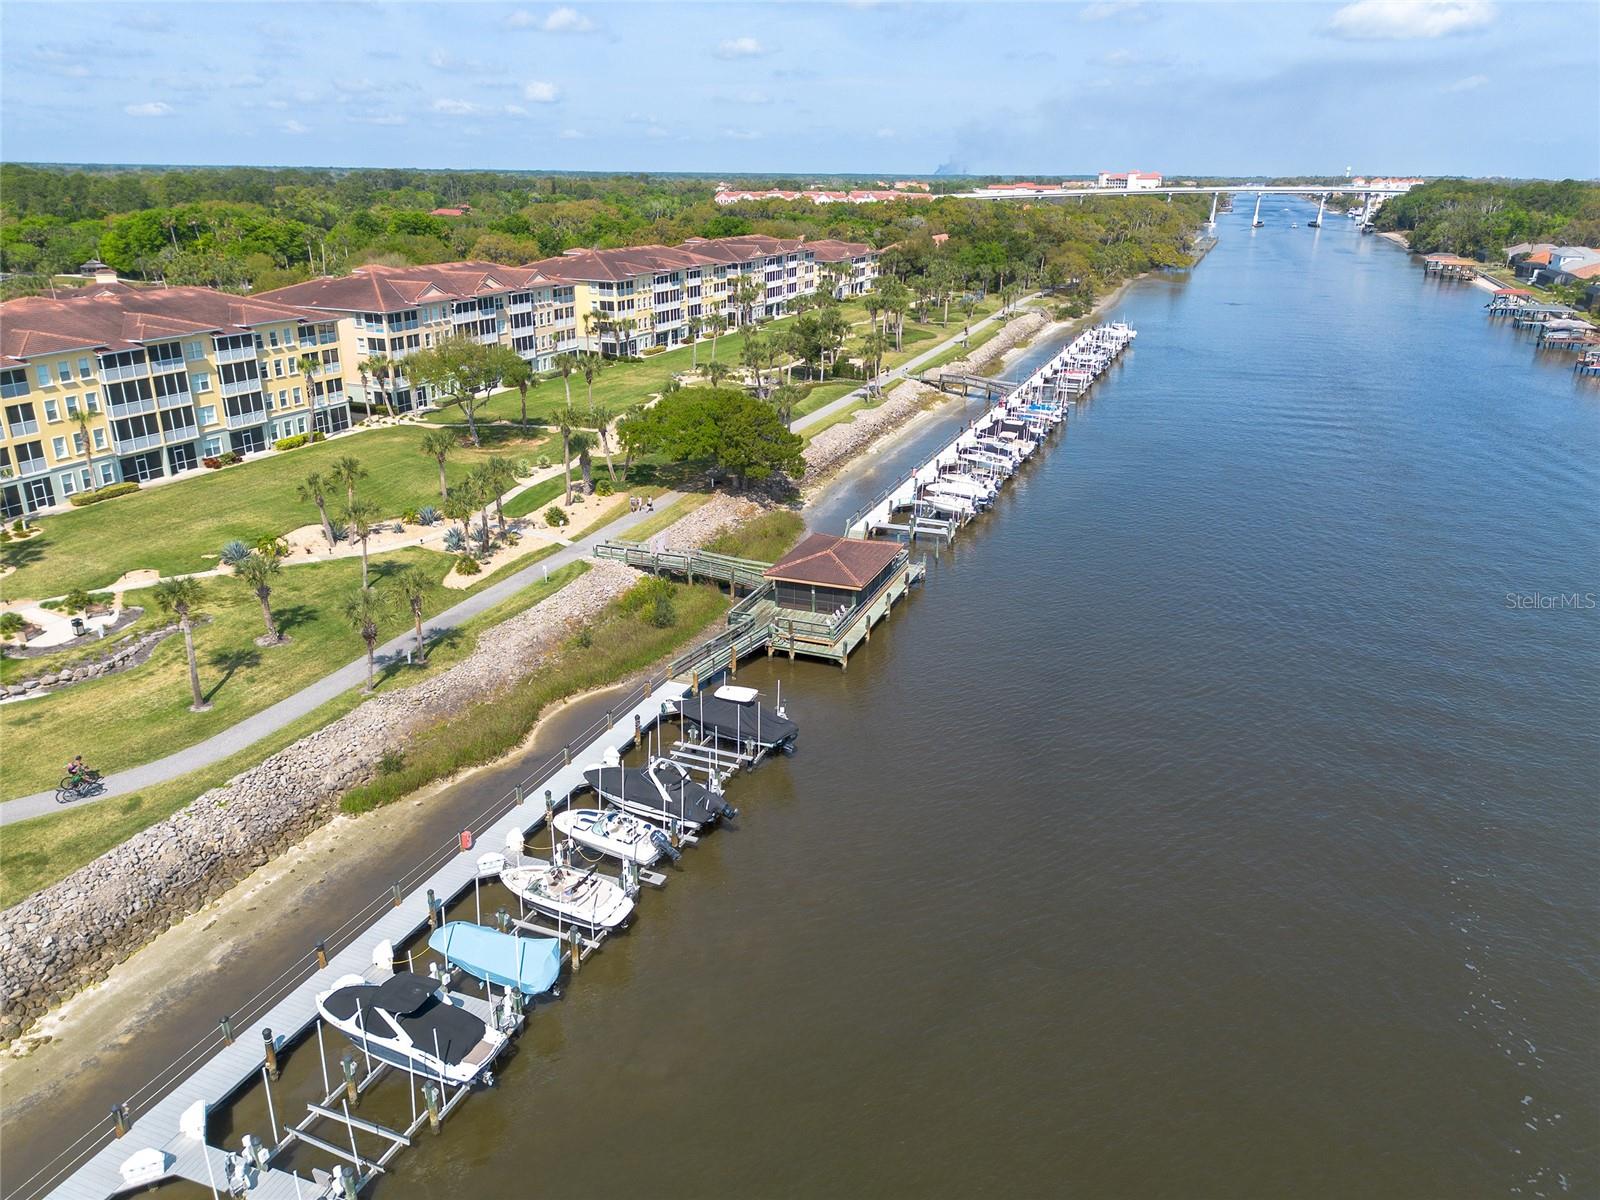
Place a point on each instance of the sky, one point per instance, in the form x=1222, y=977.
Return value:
x=1388, y=87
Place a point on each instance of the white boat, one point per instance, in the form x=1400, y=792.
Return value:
x=965, y=485
x=573, y=895
x=619, y=834
x=412, y=1022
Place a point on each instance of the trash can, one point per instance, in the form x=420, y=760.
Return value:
x=77, y=626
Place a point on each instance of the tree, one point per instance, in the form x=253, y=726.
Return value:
x=457, y=368
x=12, y=626
x=590, y=365
x=307, y=366
x=600, y=418
x=747, y=293
x=362, y=517
x=564, y=365
x=566, y=449
x=438, y=443
x=719, y=326
x=895, y=298
x=347, y=472
x=692, y=327
x=522, y=378
x=717, y=372
x=580, y=444
x=313, y=488
x=753, y=354
x=728, y=430
x=256, y=572
x=178, y=597
x=411, y=584
x=80, y=418
x=873, y=347
x=459, y=504
x=784, y=398
x=381, y=370
x=363, y=611
x=480, y=488
x=502, y=477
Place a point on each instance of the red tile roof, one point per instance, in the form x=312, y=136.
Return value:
x=113, y=316
x=828, y=561
x=393, y=289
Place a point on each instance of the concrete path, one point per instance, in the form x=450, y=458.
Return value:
x=354, y=674
x=270, y=720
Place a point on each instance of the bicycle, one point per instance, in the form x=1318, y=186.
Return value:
x=78, y=787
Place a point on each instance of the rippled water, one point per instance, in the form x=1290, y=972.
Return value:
x=1210, y=825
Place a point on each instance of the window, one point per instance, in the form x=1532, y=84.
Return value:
x=194, y=351
x=277, y=367
x=207, y=414
x=91, y=402
x=283, y=398
x=99, y=439
x=297, y=395
x=58, y=446
x=85, y=368
x=13, y=383
x=272, y=337
x=64, y=371
x=78, y=444
x=50, y=411
x=107, y=471
x=201, y=381
x=213, y=446
x=42, y=373
x=68, y=485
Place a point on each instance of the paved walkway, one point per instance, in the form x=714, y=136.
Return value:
x=354, y=674
x=270, y=720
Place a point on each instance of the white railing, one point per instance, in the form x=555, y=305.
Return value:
x=118, y=374
x=241, y=387
x=145, y=441
x=246, y=420
x=235, y=354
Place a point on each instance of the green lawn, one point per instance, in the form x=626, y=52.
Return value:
x=40, y=851
x=767, y=538
x=129, y=718
x=179, y=528
x=824, y=393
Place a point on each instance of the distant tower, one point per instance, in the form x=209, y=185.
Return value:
x=1347, y=172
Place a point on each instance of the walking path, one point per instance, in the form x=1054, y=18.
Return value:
x=354, y=674
x=269, y=720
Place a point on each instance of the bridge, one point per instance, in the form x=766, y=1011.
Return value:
x=1372, y=196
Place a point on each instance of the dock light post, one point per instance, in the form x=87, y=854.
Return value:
x=321, y=951
x=566, y=756
x=394, y=889
x=227, y=1031
x=433, y=911
x=609, y=721
x=269, y=1052
x=119, y=1119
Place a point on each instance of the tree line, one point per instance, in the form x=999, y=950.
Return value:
x=1480, y=218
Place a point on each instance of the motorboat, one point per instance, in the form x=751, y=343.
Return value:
x=619, y=834
x=733, y=714
x=661, y=791
x=412, y=1022
x=578, y=896
x=529, y=965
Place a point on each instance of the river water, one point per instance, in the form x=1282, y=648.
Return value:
x=1216, y=822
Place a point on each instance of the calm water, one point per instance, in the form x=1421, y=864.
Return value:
x=1209, y=826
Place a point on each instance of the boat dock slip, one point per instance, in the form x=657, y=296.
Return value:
x=167, y=1139
x=962, y=478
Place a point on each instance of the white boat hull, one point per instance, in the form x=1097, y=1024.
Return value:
x=619, y=835
x=574, y=896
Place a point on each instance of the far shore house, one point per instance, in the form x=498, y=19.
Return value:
x=1129, y=181
x=1546, y=263
x=462, y=211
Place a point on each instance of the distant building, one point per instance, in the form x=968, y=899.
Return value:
x=1378, y=181
x=1129, y=181
x=451, y=212
x=820, y=196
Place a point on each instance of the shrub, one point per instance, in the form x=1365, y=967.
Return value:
x=290, y=443
x=522, y=469
x=228, y=457
x=210, y=462
x=543, y=460
x=410, y=517
x=661, y=614
x=512, y=537
x=341, y=531
x=604, y=487
x=16, y=526
x=272, y=547
x=5, y=536
x=77, y=600
x=454, y=540
x=649, y=350
x=467, y=565
x=234, y=553
x=392, y=762
x=555, y=516
x=427, y=515
x=103, y=493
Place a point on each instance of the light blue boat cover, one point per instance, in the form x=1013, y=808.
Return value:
x=529, y=964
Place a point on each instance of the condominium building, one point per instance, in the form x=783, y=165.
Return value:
x=391, y=312
x=1129, y=181
x=640, y=297
x=118, y=383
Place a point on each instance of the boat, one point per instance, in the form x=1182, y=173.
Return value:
x=578, y=896
x=661, y=791
x=733, y=714
x=529, y=965
x=412, y=1022
x=619, y=834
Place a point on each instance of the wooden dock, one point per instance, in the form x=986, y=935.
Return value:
x=169, y=1126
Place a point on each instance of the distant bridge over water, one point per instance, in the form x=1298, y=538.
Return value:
x=1371, y=196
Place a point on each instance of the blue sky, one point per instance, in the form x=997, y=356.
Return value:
x=1382, y=86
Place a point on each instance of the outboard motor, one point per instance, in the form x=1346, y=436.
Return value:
x=664, y=844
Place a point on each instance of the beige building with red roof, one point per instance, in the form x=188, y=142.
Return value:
x=115, y=383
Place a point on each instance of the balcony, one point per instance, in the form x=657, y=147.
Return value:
x=176, y=400
x=247, y=420
x=520, y=305
x=183, y=433
x=233, y=354
x=241, y=387
x=147, y=441
x=31, y=466
x=163, y=366
x=119, y=374
x=329, y=336
x=465, y=315
x=23, y=428
x=131, y=408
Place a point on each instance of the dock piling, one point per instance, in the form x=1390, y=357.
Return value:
x=321, y=951
x=269, y=1051
x=226, y=1026
x=430, y=1097
x=119, y=1119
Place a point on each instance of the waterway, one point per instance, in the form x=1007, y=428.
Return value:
x=1218, y=821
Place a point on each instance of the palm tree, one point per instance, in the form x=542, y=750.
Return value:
x=80, y=418
x=692, y=327
x=347, y=471
x=314, y=489
x=719, y=325
x=753, y=354
x=784, y=398
x=482, y=484
x=564, y=365
x=600, y=417
x=717, y=372
x=438, y=443
x=873, y=347
x=566, y=449
x=255, y=570
x=580, y=444
x=590, y=366
x=308, y=365
x=522, y=378
x=380, y=370
x=364, y=610
x=178, y=597
x=502, y=477
x=459, y=504
x=412, y=586
x=362, y=517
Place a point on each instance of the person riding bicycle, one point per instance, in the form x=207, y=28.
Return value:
x=77, y=771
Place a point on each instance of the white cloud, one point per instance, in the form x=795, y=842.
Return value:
x=740, y=47
x=353, y=87
x=381, y=119
x=570, y=135
x=540, y=92
x=655, y=131
x=515, y=110
x=76, y=71
x=152, y=108
x=294, y=127
x=455, y=108
x=741, y=135
x=567, y=20
x=1113, y=10
x=443, y=60
x=886, y=132
x=1466, y=84
x=1392, y=20
x=276, y=103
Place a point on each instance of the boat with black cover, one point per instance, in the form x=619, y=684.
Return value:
x=732, y=714
x=661, y=791
x=412, y=1022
